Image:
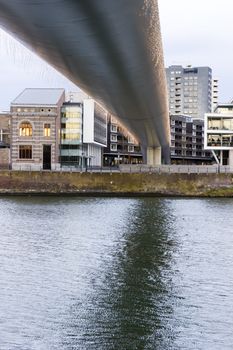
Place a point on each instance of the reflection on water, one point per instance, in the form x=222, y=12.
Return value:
x=88, y=273
x=133, y=299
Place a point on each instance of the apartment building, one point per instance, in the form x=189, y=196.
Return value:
x=187, y=141
x=191, y=90
x=122, y=146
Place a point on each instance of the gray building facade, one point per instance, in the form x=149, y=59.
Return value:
x=122, y=146
x=187, y=141
x=190, y=90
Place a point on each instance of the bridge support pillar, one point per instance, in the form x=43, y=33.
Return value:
x=154, y=156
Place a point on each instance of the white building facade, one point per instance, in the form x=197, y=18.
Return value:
x=218, y=136
x=83, y=131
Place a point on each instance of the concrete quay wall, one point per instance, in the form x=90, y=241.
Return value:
x=116, y=184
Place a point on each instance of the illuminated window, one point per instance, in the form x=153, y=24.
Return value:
x=25, y=152
x=47, y=130
x=25, y=129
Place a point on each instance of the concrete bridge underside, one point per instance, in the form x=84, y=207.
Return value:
x=110, y=49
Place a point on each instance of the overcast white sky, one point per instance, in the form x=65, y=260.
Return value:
x=196, y=32
x=200, y=32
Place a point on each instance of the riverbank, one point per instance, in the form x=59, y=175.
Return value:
x=116, y=184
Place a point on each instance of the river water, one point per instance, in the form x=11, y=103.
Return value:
x=109, y=274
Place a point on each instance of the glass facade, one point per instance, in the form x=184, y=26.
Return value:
x=220, y=123
x=72, y=151
x=219, y=140
x=219, y=131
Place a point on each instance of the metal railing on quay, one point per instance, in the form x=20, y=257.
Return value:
x=177, y=169
x=139, y=168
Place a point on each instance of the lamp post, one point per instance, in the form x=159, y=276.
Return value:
x=82, y=156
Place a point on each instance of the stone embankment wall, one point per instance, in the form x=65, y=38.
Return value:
x=202, y=185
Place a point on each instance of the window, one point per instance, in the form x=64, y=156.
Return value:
x=25, y=152
x=226, y=124
x=47, y=130
x=113, y=138
x=113, y=147
x=215, y=123
x=113, y=128
x=130, y=148
x=25, y=129
x=130, y=139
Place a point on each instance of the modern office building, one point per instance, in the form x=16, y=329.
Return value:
x=191, y=90
x=36, y=129
x=72, y=150
x=187, y=141
x=83, y=131
x=219, y=133
x=122, y=146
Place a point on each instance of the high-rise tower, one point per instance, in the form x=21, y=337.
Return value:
x=190, y=90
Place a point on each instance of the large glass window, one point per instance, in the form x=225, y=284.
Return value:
x=220, y=123
x=25, y=152
x=214, y=123
x=227, y=140
x=25, y=129
x=214, y=140
x=226, y=124
x=71, y=124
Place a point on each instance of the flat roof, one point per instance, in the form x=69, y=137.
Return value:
x=38, y=96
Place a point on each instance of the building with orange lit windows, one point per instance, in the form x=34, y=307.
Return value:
x=36, y=129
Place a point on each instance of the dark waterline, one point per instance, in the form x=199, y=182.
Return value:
x=123, y=273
